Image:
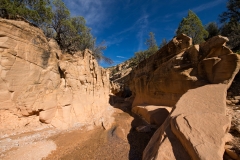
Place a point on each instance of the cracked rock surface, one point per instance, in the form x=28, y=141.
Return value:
x=36, y=79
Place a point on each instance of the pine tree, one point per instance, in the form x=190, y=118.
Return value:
x=152, y=48
x=152, y=44
x=212, y=29
x=233, y=12
x=163, y=43
x=192, y=26
x=231, y=24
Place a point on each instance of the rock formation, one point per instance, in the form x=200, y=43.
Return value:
x=179, y=66
x=119, y=75
x=181, y=89
x=37, y=79
x=193, y=79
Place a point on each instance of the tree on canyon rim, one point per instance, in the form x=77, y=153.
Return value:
x=192, y=26
x=163, y=43
x=212, y=29
x=231, y=24
x=72, y=34
x=38, y=12
x=53, y=17
x=152, y=44
x=152, y=48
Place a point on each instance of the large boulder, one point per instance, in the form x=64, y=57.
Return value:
x=193, y=80
x=37, y=79
x=198, y=125
x=155, y=115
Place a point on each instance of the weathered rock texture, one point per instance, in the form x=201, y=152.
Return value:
x=198, y=124
x=179, y=66
x=193, y=79
x=119, y=75
x=37, y=79
x=152, y=114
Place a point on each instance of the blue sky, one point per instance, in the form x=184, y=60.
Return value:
x=125, y=24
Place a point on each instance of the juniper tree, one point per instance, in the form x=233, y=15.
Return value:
x=233, y=12
x=231, y=24
x=192, y=26
x=53, y=17
x=38, y=12
x=152, y=44
x=212, y=29
x=163, y=43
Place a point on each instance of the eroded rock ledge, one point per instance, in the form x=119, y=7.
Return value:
x=179, y=66
x=193, y=80
x=38, y=80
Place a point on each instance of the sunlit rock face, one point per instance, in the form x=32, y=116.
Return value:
x=179, y=66
x=37, y=79
x=193, y=80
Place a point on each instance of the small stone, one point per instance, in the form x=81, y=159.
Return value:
x=235, y=101
x=228, y=102
x=237, y=97
x=227, y=146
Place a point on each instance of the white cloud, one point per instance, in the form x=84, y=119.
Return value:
x=94, y=11
x=143, y=24
x=207, y=5
x=140, y=25
x=114, y=40
x=121, y=57
x=202, y=7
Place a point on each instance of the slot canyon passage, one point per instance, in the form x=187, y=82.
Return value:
x=180, y=103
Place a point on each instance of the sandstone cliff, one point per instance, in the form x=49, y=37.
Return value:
x=119, y=76
x=179, y=66
x=193, y=80
x=37, y=79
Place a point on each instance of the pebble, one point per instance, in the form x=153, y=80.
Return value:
x=235, y=101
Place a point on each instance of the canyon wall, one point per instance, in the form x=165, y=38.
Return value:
x=193, y=80
x=179, y=66
x=38, y=80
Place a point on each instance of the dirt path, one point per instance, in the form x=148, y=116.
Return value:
x=121, y=142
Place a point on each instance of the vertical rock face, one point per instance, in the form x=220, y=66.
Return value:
x=179, y=66
x=36, y=79
x=193, y=79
